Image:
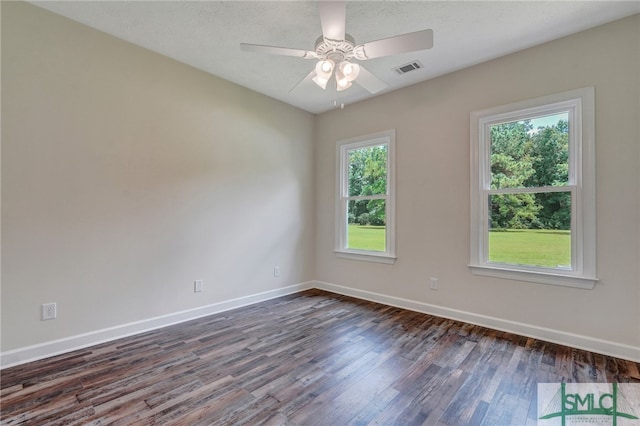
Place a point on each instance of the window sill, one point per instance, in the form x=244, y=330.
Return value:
x=550, y=278
x=366, y=256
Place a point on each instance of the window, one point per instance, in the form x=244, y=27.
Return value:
x=365, y=205
x=533, y=190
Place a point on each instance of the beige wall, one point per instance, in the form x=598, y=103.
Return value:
x=127, y=175
x=432, y=124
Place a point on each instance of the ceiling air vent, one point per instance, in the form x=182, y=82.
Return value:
x=403, y=69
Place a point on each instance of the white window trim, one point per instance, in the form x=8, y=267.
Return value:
x=582, y=183
x=342, y=176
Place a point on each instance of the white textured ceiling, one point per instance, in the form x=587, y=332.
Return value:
x=207, y=35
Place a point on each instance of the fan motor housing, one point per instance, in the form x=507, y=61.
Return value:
x=336, y=50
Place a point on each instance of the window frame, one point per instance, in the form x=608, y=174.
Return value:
x=581, y=106
x=388, y=256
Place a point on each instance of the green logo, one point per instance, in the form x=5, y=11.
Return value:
x=587, y=403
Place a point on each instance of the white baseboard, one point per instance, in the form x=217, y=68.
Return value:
x=68, y=344
x=56, y=347
x=555, y=336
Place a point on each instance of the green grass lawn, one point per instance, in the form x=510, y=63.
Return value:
x=545, y=248
x=539, y=247
x=366, y=237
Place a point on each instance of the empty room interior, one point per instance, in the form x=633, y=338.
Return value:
x=256, y=213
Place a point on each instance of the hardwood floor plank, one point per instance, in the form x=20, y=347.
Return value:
x=374, y=407
x=311, y=358
x=353, y=387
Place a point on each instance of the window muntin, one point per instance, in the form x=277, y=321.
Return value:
x=533, y=190
x=365, y=205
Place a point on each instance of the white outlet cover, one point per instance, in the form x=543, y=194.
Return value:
x=434, y=284
x=49, y=311
x=197, y=286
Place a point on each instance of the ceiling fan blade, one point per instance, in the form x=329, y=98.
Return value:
x=274, y=50
x=369, y=81
x=333, y=15
x=305, y=80
x=410, y=42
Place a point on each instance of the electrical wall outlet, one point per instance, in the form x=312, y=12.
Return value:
x=433, y=285
x=197, y=286
x=276, y=271
x=49, y=311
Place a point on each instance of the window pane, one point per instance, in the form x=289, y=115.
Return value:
x=530, y=229
x=368, y=170
x=366, y=225
x=530, y=153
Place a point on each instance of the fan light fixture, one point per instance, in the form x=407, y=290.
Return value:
x=345, y=73
x=349, y=70
x=324, y=69
x=335, y=48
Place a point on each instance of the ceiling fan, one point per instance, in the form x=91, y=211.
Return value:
x=336, y=50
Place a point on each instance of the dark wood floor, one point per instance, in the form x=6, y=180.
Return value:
x=314, y=358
